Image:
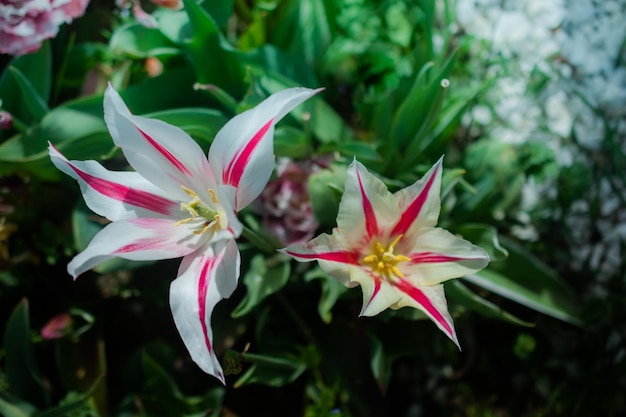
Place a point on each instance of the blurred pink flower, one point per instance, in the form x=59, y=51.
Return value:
x=24, y=24
x=285, y=204
x=6, y=120
x=57, y=327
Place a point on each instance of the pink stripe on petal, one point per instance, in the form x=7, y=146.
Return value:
x=413, y=210
x=203, y=285
x=425, y=302
x=167, y=154
x=233, y=173
x=128, y=195
x=375, y=292
x=370, y=217
x=342, y=257
x=430, y=257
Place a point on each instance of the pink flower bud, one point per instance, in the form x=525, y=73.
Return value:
x=6, y=120
x=57, y=327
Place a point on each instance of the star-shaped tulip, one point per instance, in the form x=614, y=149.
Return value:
x=389, y=245
x=179, y=204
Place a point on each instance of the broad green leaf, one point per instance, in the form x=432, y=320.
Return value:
x=164, y=394
x=324, y=194
x=269, y=59
x=21, y=370
x=291, y=142
x=380, y=365
x=261, y=281
x=138, y=41
x=37, y=68
x=274, y=371
x=331, y=291
x=462, y=295
x=35, y=104
x=8, y=409
x=224, y=67
x=525, y=279
x=220, y=10
x=360, y=150
x=306, y=28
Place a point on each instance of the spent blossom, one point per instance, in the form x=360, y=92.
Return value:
x=24, y=24
x=285, y=203
x=178, y=203
x=389, y=245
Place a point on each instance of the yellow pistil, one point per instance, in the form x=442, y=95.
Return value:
x=198, y=209
x=383, y=261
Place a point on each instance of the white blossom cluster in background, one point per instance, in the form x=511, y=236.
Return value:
x=560, y=67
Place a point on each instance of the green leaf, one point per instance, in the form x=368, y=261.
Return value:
x=21, y=370
x=66, y=409
x=380, y=365
x=220, y=11
x=35, y=104
x=360, y=150
x=8, y=409
x=138, y=41
x=162, y=392
x=460, y=294
x=224, y=68
x=37, y=68
x=325, y=197
x=291, y=142
x=525, y=279
x=273, y=371
x=261, y=281
x=331, y=291
x=306, y=28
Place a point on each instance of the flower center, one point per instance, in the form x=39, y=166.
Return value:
x=210, y=219
x=383, y=261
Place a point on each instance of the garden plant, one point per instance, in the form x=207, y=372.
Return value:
x=312, y=208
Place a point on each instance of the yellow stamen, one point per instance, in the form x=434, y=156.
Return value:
x=384, y=261
x=213, y=196
x=199, y=210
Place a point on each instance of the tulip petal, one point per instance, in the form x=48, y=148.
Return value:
x=115, y=195
x=331, y=252
x=204, y=278
x=378, y=295
x=442, y=256
x=419, y=203
x=163, y=154
x=242, y=153
x=140, y=239
x=366, y=207
x=432, y=301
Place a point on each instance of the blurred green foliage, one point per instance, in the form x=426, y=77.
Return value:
x=290, y=337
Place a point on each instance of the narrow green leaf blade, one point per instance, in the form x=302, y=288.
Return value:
x=525, y=279
x=35, y=104
x=459, y=293
x=21, y=370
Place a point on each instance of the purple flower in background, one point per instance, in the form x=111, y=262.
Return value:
x=285, y=204
x=24, y=24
